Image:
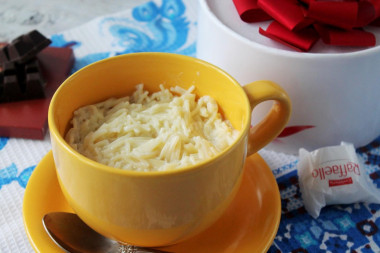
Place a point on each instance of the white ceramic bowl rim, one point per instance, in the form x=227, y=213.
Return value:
x=204, y=5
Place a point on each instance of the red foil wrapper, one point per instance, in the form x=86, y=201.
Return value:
x=301, y=41
x=354, y=37
x=339, y=14
x=293, y=18
x=300, y=23
x=249, y=11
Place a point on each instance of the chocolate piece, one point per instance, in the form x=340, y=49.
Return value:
x=26, y=47
x=20, y=50
x=21, y=77
x=21, y=82
x=34, y=82
x=28, y=118
x=10, y=86
x=4, y=55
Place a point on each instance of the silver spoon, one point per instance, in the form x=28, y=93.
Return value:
x=69, y=232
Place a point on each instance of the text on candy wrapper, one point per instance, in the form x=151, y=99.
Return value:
x=338, y=182
x=340, y=170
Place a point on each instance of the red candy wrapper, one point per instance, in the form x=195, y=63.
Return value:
x=249, y=11
x=294, y=18
x=301, y=41
x=354, y=37
x=338, y=23
x=338, y=14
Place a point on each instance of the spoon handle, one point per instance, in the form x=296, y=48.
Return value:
x=135, y=249
x=69, y=232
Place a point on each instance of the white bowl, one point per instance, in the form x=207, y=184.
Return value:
x=336, y=90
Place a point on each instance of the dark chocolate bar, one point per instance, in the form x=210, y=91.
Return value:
x=20, y=76
x=28, y=118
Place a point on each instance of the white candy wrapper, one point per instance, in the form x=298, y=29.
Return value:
x=333, y=175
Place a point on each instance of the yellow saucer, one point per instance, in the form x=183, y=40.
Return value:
x=249, y=224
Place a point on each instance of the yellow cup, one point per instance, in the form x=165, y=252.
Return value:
x=159, y=208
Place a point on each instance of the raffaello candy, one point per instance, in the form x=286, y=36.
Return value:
x=333, y=175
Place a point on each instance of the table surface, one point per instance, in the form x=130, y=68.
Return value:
x=340, y=228
x=53, y=16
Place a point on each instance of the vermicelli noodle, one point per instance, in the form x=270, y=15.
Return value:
x=151, y=132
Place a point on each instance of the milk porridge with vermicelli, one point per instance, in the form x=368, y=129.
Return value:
x=165, y=130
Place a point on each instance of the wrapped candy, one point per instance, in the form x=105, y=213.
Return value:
x=333, y=175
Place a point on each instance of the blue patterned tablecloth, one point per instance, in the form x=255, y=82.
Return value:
x=170, y=26
x=339, y=228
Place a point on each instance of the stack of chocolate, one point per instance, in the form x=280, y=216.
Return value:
x=30, y=73
x=20, y=75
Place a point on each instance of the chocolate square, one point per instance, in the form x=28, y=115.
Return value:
x=26, y=47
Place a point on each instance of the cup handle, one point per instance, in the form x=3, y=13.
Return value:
x=276, y=119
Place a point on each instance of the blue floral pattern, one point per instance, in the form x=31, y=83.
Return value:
x=9, y=174
x=151, y=28
x=3, y=142
x=168, y=29
x=58, y=40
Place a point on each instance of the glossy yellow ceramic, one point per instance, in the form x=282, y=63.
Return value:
x=159, y=208
x=248, y=225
